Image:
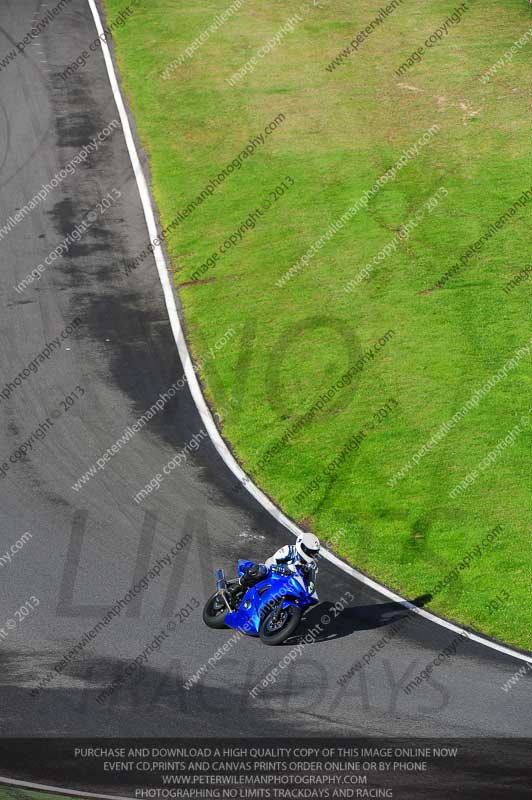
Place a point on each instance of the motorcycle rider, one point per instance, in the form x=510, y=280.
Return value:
x=302, y=555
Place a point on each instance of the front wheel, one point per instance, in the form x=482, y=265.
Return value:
x=279, y=624
x=214, y=612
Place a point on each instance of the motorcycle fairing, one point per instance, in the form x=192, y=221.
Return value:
x=243, y=565
x=248, y=617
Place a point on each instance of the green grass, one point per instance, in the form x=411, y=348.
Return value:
x=342, y=131
x=11, y=793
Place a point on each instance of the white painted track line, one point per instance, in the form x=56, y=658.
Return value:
x=197, y=394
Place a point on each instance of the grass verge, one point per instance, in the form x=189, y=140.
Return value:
x=437, y=256
x=13, y=793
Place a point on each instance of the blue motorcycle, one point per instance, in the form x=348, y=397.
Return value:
x=271, y=609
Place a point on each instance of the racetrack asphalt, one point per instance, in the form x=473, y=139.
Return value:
x=87, y=547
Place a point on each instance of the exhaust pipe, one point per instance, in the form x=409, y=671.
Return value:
x=220, y=580
x=221, y=586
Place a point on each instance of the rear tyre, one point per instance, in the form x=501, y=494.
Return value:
x=279, y=625
x=214, y=612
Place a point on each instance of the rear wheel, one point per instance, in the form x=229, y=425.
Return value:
x=214, y=612
x=279, y=624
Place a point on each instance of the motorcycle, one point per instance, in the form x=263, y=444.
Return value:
x=271, y=609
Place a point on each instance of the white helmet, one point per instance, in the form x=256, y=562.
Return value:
x=308, y=546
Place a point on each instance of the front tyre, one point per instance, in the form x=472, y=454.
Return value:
x=278, y=625
x=214, y=612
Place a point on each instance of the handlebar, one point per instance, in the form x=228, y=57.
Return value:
x=281, y=569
